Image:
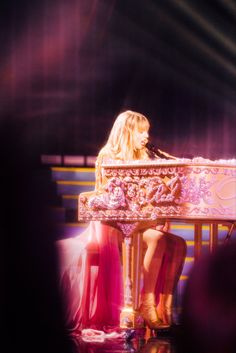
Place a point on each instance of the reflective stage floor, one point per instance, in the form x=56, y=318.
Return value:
x=143, y=342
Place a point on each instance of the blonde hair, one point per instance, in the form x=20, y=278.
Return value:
x=120, y=143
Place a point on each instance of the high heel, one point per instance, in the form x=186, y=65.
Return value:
x=149, y=312
x=164, y=308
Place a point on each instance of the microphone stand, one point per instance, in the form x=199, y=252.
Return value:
x=159, y=153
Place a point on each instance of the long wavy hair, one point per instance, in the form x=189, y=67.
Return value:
x=120, y=143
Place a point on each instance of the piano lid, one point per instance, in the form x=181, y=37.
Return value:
x=178, y=189
x=163, y=162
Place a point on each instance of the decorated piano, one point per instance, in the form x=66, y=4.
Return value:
x=194, y=190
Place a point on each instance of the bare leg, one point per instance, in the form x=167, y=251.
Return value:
x=153, y=258
x=151, y=268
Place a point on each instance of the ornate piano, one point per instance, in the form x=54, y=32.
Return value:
x=137, y=194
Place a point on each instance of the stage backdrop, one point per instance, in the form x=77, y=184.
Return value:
x=69, y=67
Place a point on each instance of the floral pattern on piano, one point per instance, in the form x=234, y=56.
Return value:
x=139, y=193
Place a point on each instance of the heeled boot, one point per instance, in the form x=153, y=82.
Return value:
x=164, y=308
x=149, y=312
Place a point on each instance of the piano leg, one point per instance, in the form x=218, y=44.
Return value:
x=197, y=239
x=137, y=257
x=213, y=236
x=132, y=259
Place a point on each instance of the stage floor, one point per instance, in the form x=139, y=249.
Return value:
x=145, y=342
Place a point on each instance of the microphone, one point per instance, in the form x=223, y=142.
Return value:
x=158, y=153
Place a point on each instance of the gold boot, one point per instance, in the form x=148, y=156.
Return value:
x=149, y=312
x=164, y=308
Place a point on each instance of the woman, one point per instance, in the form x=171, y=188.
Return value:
x=94, y=299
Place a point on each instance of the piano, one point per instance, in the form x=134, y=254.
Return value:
x=140, y=193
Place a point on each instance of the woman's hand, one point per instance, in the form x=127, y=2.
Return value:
x=164, y=227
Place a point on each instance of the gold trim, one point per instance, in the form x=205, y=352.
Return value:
x=183, y=278
x=70, y=169
x=83, y=225
x=192, y=242
x=174, y=225
x=189, y=259
x=70, y=197
x=65, y=182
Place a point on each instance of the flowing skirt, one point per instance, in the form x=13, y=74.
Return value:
x=91, y=282
x=91, y=278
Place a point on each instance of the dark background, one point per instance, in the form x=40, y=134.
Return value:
x=67, y=69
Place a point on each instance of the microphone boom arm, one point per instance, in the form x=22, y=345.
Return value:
x=159, y=153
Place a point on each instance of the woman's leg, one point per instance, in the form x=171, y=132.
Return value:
x=156, y=247
x=151, y=268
